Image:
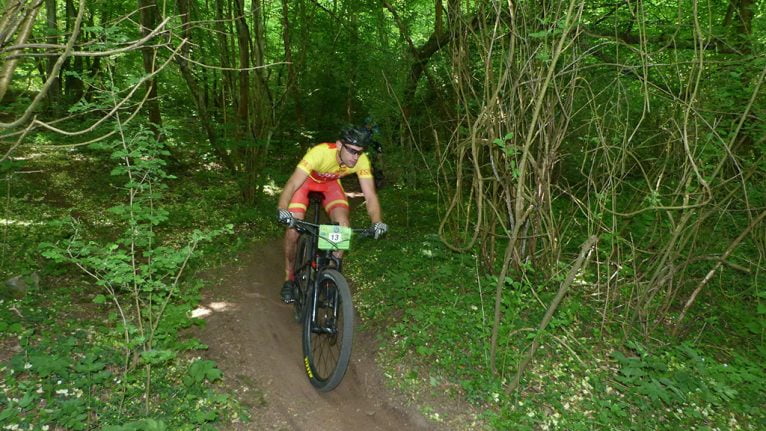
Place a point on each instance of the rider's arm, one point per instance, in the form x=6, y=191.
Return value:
x=296, y=180
x=371, y=198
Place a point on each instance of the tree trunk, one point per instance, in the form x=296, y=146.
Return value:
x=743, y=34
x=244, y=154
x=439, y=17
x=243, y=42
x=191, y=82
x=422, y=55
x=50, y=13
x=15, y=17
x=262, y=104
x=148, y=12
x=353, y=67
x=73, y=82
x=292, y=87
x=227, y=84
x=94, y=65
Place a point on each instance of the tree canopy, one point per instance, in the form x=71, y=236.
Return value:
x=613, y=149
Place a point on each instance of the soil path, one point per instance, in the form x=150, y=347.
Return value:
x=255, y=341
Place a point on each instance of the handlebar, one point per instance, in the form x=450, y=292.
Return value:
x=312, y=228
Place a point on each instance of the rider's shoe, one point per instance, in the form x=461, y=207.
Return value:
x=287, y=292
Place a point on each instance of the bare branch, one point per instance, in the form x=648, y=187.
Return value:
x=53, y=74
x=117, y=106
x=131, y=47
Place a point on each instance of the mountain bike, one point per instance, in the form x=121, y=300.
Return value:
x=322, y=297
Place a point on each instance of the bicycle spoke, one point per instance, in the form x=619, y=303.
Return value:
x=325, y=347
x=327, y=339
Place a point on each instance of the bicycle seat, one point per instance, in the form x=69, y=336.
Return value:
x=316, y=196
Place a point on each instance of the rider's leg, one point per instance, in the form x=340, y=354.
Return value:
x=291, y=243
x=339, y=214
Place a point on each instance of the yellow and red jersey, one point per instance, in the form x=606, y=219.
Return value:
x=321, y=163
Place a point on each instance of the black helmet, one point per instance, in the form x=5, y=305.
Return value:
x=357, y=136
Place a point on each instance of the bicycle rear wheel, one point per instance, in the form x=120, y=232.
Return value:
x=328, y=331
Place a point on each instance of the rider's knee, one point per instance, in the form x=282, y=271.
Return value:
x=340, y=215
x=292, y=235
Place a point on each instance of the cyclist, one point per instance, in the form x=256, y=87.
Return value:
x=320, y=170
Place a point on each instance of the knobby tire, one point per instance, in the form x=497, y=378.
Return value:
x=326, y=355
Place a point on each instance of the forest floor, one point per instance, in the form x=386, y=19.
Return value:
x=255, y=341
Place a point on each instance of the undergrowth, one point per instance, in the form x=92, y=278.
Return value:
x=434, y=311
x=66, y=372
x=63, y=362
x=62, y=337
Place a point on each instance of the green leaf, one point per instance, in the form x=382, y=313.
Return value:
x=8, y=165
x=99, y=299
x=543, y=56
x=25, y=401
x=755, y=326
x=89, y=364
x=201, y=417
x=46, y=365
x=155, y=357
x=202, y=370
x=7, y=413
x=142, y=425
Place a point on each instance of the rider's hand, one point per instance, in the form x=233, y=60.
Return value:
x=379, y=229
x=285, y=217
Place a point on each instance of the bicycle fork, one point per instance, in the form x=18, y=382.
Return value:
x=328, y=325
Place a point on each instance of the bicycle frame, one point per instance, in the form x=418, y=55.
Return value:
x=323, y=303
x=318, y=260
x=312, y=260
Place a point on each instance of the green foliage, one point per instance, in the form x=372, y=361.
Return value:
x=683, y=375
x=135, y=266
x=67, y=368
x=8, y=166
x=756, y=323
x=201, y=371
x=140, y=425
x=654, y=122
x=434, y=310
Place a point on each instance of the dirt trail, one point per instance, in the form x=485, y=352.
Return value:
x=255, y=341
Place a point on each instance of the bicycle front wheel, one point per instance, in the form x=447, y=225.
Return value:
x=328, y=331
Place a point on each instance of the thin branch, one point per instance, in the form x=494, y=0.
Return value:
x=53, y=74
x=585, y=252
x=117, y=106
x=132, y=47
x=715, y=268
x=234, y=69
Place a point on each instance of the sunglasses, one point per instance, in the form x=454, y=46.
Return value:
x=353, y=151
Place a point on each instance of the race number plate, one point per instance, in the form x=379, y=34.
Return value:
x=334, y=237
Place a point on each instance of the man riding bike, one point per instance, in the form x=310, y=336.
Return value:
x=320, y=170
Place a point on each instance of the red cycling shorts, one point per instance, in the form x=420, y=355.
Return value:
x=334, y=196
